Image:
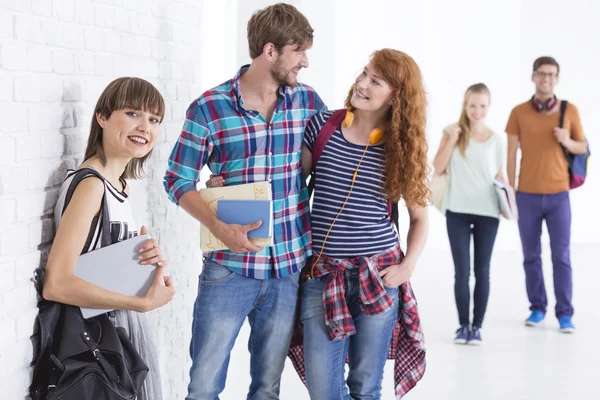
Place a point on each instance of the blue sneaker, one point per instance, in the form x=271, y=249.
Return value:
x=462, y=335
x=566, y=325
x=535, y=319
x=475, y=337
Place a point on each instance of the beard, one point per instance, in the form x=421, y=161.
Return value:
x=281, y=76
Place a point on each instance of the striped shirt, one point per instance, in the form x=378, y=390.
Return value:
x=243, y=147
x=364, y=227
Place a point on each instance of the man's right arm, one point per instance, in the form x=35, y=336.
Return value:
x=512, y=133
x=189, y=155
x=511, y=158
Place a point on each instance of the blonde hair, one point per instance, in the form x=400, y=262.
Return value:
x=463, y=122
x=134, y=93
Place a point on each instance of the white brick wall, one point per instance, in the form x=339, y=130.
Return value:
x=56, y=56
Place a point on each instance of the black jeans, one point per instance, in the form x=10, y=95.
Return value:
x=484, y=229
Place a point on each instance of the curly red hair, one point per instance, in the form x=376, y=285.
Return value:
x=406, y=144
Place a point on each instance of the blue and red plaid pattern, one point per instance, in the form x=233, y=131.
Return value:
x=243, y=147
x=372, y=294
x=407, y=347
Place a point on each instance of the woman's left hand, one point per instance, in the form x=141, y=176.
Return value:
x=395, y=275
x=215, y=181
x=150, y=253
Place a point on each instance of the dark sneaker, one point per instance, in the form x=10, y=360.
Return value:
x=462, y=335
x=475, y=337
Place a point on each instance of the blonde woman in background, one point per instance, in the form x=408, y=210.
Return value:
x=124, y=130
x=472, y=155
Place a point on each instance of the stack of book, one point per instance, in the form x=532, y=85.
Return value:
x=242, y=205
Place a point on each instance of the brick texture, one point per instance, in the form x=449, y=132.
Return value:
x=55, y=59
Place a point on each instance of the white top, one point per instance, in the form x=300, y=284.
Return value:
x=471, y=178
x=122, y=224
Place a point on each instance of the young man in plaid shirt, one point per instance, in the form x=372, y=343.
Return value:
x=249, y=129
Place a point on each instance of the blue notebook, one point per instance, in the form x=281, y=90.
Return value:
x=243, y=212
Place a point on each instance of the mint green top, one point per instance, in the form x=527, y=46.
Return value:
x=471, y=179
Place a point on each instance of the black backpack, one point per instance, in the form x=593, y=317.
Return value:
x=77, y=358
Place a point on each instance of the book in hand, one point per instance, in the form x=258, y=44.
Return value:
x=244, y=212
x=116, y=268
x=507, y=200
x=247, y=191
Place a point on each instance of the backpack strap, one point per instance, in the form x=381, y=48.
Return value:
x=80, y=175
x=325, y=134
x=563, y=108
x=104, y=364
x=321, y=140
x=561, y=122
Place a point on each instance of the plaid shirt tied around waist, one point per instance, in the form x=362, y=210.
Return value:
x=407, y=346
x=373, y=296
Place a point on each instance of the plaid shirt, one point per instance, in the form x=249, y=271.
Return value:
x=407, y=347
x=243, y=147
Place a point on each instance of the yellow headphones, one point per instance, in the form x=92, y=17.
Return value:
x=376, y=134
x=374, y=137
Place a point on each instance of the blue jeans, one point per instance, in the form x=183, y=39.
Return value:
x=224, y=301
x=460, y=229
x=325, y=359
x=556, y=210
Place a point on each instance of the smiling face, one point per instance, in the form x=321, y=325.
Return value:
x=476, y=107
x=371, y=92
x=288, y=64
x=129, y=133
x=545, y=79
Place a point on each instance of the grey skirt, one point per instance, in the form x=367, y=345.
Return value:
x=136, y=324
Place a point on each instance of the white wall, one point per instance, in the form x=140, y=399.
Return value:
x=457, y=44
x=57, y=55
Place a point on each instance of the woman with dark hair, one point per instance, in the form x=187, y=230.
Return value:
x=125, y=127
x=473, y=156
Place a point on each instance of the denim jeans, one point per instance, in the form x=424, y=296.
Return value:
x=224, y=301
x=484, y=229
x=325, y=359
x=556, y=210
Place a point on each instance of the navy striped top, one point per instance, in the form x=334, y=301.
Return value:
x=364, y=228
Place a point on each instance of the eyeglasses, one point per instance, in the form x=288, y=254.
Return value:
x=545, y=74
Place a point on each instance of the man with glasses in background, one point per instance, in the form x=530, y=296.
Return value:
x=543, y=188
